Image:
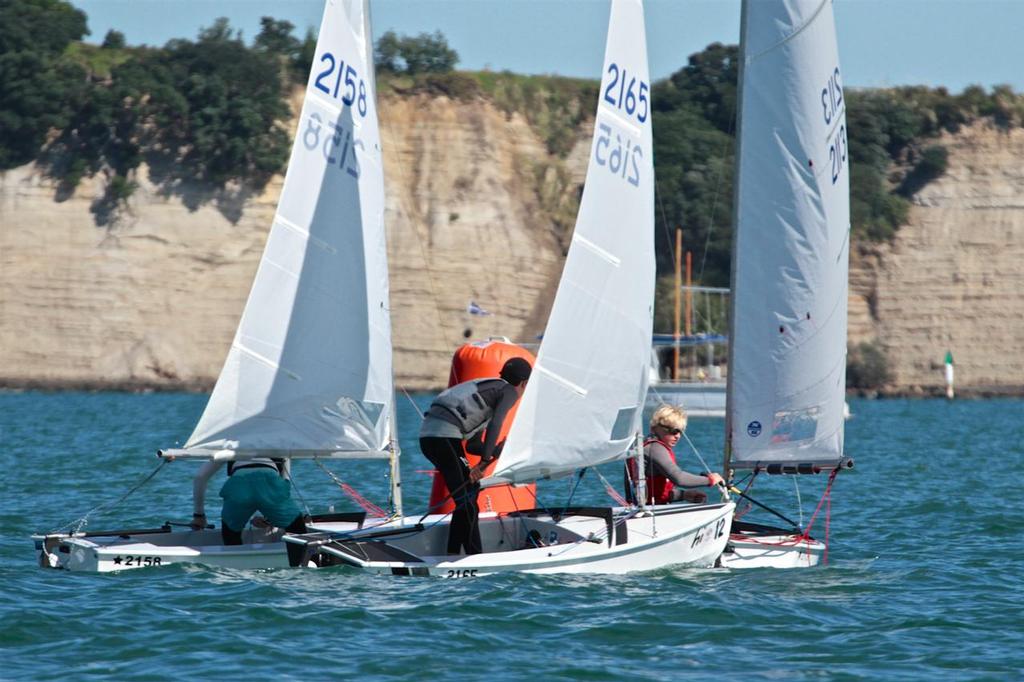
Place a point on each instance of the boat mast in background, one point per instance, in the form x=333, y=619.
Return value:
x=791, y=216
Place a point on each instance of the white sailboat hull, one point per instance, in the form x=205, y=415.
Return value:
x=127, y=550
x=753, y=546
x=580, y=542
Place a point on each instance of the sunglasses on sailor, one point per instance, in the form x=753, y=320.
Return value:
x=671, y=430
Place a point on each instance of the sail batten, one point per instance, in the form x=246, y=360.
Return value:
x=582, y=406
x=310, y=368
x=788, y=335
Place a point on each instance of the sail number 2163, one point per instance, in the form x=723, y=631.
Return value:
x=832, y=110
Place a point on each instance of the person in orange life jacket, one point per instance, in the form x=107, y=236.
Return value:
x=459, y=414
x=666, y=482
x=259, y=484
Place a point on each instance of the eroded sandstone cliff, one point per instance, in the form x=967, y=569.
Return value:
x=154, y=299
x=953, y=277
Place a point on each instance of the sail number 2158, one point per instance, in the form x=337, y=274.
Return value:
x=341, y=82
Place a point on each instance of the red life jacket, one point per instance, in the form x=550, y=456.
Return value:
x=659, y=488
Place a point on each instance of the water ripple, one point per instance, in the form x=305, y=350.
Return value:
x=924, y=582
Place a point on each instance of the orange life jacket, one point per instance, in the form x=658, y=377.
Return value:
x=659, y=488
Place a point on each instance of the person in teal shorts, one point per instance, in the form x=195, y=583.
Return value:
x=255, y=485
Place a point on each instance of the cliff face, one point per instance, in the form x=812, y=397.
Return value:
x=155, y=299
x=472, y=195
x=953, y=278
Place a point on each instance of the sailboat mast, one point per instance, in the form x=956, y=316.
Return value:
x=396, y=456
x=730, y=384
x=679, y=293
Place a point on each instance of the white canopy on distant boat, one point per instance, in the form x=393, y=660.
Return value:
x=584, y=401
x=788, y=332
x=310, y=369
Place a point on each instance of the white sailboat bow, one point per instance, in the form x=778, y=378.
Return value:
x=787, y=365
x=584, y=401
x=309, y=373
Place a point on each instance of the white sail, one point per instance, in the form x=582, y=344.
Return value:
x=309, y=369
x=791, y=252
x=583, y=403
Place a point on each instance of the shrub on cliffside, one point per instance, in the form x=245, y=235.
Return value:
x=867, y=367
x=554, y=106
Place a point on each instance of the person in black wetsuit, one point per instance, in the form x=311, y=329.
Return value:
x=459, y=414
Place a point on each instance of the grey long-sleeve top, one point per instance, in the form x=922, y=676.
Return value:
x=658, y=459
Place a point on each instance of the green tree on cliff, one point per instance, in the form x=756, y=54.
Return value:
x=411, y=55
x=207, y=111
x=34, y=78
x=218, y=120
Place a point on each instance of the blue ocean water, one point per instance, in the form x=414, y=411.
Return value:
x=924, y=580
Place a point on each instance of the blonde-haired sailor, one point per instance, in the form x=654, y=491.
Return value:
x=666, y=482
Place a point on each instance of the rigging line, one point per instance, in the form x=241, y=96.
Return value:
x=291, y=480
x=353, y=494
x=696, y=451
x=84, y=520
x=748, y=498
x=612, y=492
x=414, y=405
x=664, y=222
x=450, y=496
x=714, y=197
x=419, y=242
x=828, y=519
x=572, y=493
x=799, y=502
x=827, y=494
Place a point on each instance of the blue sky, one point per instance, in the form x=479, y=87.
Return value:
x=881, y=42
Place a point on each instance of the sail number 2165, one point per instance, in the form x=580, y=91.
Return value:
x=621, y=159
x=633, y=98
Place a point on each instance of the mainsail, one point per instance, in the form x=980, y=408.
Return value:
x=791, y=251
x=309, y=370
x=583, y=403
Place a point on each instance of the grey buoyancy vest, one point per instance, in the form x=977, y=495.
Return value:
x=464, y=406
x=255, y=462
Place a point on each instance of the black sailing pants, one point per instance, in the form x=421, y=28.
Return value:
x=447, y=456
x=295, y=552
